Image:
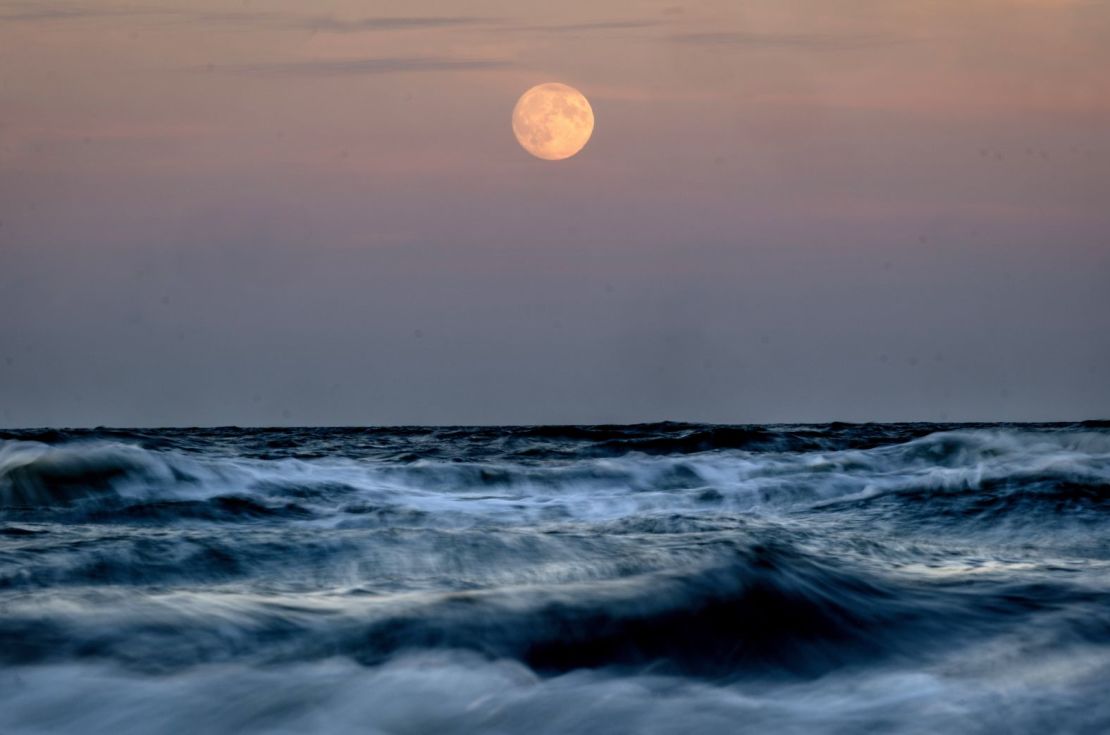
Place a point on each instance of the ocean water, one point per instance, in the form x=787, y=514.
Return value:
x=664, y=578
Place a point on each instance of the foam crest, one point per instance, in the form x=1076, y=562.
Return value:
x=128, y=482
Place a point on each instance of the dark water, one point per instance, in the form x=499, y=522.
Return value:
x=665, y=578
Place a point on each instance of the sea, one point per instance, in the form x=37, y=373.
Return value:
x=655, y=578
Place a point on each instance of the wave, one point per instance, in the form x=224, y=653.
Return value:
x=656, y=578
x=758, y=611
x=35, y=474
x=977, y=473
x=507, y=442
x=768, y=607
x=453, y=693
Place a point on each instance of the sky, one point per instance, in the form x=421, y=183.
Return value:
x=289, y=213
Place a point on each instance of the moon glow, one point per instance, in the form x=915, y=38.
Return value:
x=553, y=121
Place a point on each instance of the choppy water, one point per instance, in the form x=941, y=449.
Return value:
x=666, y=578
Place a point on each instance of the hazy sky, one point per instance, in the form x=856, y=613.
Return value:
x=285, y=212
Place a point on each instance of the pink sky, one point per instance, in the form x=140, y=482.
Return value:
x=788, y=210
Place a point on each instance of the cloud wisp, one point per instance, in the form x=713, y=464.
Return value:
x=38, y=12
x=815, y=41
x=352, y=67
x=331, y=24
x=47, y=12
x=601, y=25
x=30, y=12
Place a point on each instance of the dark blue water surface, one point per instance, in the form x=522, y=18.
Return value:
x=664, y=578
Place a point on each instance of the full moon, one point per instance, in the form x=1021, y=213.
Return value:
x=553, y=121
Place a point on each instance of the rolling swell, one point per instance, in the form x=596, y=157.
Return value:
x=766, y=611
x=810, y=578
